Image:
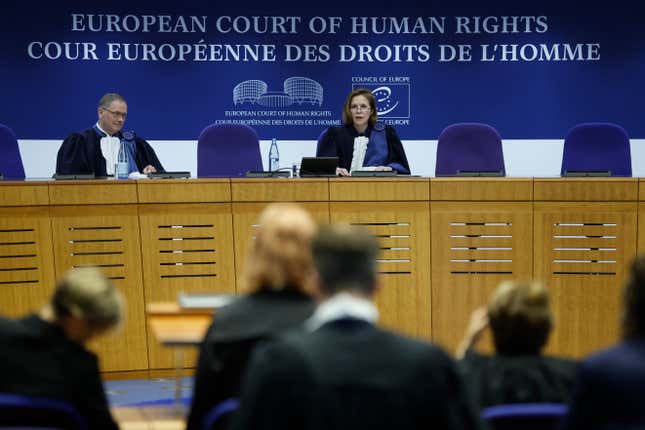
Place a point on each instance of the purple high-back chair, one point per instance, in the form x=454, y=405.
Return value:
x=524, y=416
x=10, y=161
x=228, y=150
x=597, y=147
x=469, y=147
x=26, y=412
x=320, y=151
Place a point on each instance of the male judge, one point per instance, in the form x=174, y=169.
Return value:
x=95, y=150
x=344, y=372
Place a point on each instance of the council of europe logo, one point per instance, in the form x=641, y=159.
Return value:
x=392, y=100
x=297, y=90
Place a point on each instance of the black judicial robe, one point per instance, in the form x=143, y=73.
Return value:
x=339, y=142
x=81, y=153
x=500, y=379
x=38, y=360
x=236, y=330
x=349, y=374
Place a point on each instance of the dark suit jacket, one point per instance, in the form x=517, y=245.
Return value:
x=81, y=153
x=500, y=379
x=351, y=375
x=227, y=346
x=339, y=142
x=610, y=390
x=38, y=360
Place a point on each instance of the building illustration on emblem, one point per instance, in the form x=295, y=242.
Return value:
x=297, y=90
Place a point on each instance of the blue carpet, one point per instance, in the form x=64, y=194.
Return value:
x=147, y=392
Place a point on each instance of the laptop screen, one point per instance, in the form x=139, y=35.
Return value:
x=318, y=166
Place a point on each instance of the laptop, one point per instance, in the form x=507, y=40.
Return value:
x=318, y=167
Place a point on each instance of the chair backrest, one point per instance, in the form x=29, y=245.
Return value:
x=18, y=411
x=217, y=417
x=597, y=146
x=10, y=162
x=319, y=149
x=524, y=416
x=469, y=147
x=228, y=150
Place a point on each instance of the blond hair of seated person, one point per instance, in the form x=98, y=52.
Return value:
x=44, y=355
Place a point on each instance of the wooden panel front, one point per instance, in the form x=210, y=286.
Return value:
x=403, y=231
x=26, y=262
x=24, y=194
x=188, y=248
x=475, y=246
x=481, y=189
x=379, y=189
x=582, y=252
x=586, y=189
x=93, y=192
x=245, y=223
x=108, y=237
x=184, y=191
x=280, y=190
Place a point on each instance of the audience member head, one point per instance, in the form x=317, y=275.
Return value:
x=112, y=112
x=86, y=303
x=520, y=317
x=634, y=300
x=280, y=255
x=345, y=258
x=360, y=108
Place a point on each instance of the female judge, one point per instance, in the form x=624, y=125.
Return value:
x=363, y=143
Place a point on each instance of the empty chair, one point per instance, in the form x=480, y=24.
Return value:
x=10, y=162
x=228, y=150
x=597, y=147
x=470, y=148
x=525, y=416
x=17, y=411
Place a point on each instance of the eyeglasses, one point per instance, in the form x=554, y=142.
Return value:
x=116, y=114
x=360, y=108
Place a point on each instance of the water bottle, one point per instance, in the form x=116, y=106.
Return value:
x=274, y=156
x=122, y=162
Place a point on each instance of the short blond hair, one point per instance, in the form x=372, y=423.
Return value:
x=86, y=293
x=520, y=317
x=280, y=255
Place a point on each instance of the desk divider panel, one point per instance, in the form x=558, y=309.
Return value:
x=403, y=230
x=26, y=261
x=107, y=236
x=245, y=224
x=475, y=246
x=582, y=252
x=188, y=248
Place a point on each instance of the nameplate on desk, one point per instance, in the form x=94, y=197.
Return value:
x=60, y=177
x=266, y=174
x=374, y=173
x=587, y=173
x=168, y=175
x=477, y=173
x=204, y=300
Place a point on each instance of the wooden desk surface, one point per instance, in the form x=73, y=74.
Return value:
x=174, y=326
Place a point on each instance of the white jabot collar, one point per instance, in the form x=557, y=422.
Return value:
x=342, y=305
x=360, y=147
x=110, y=150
